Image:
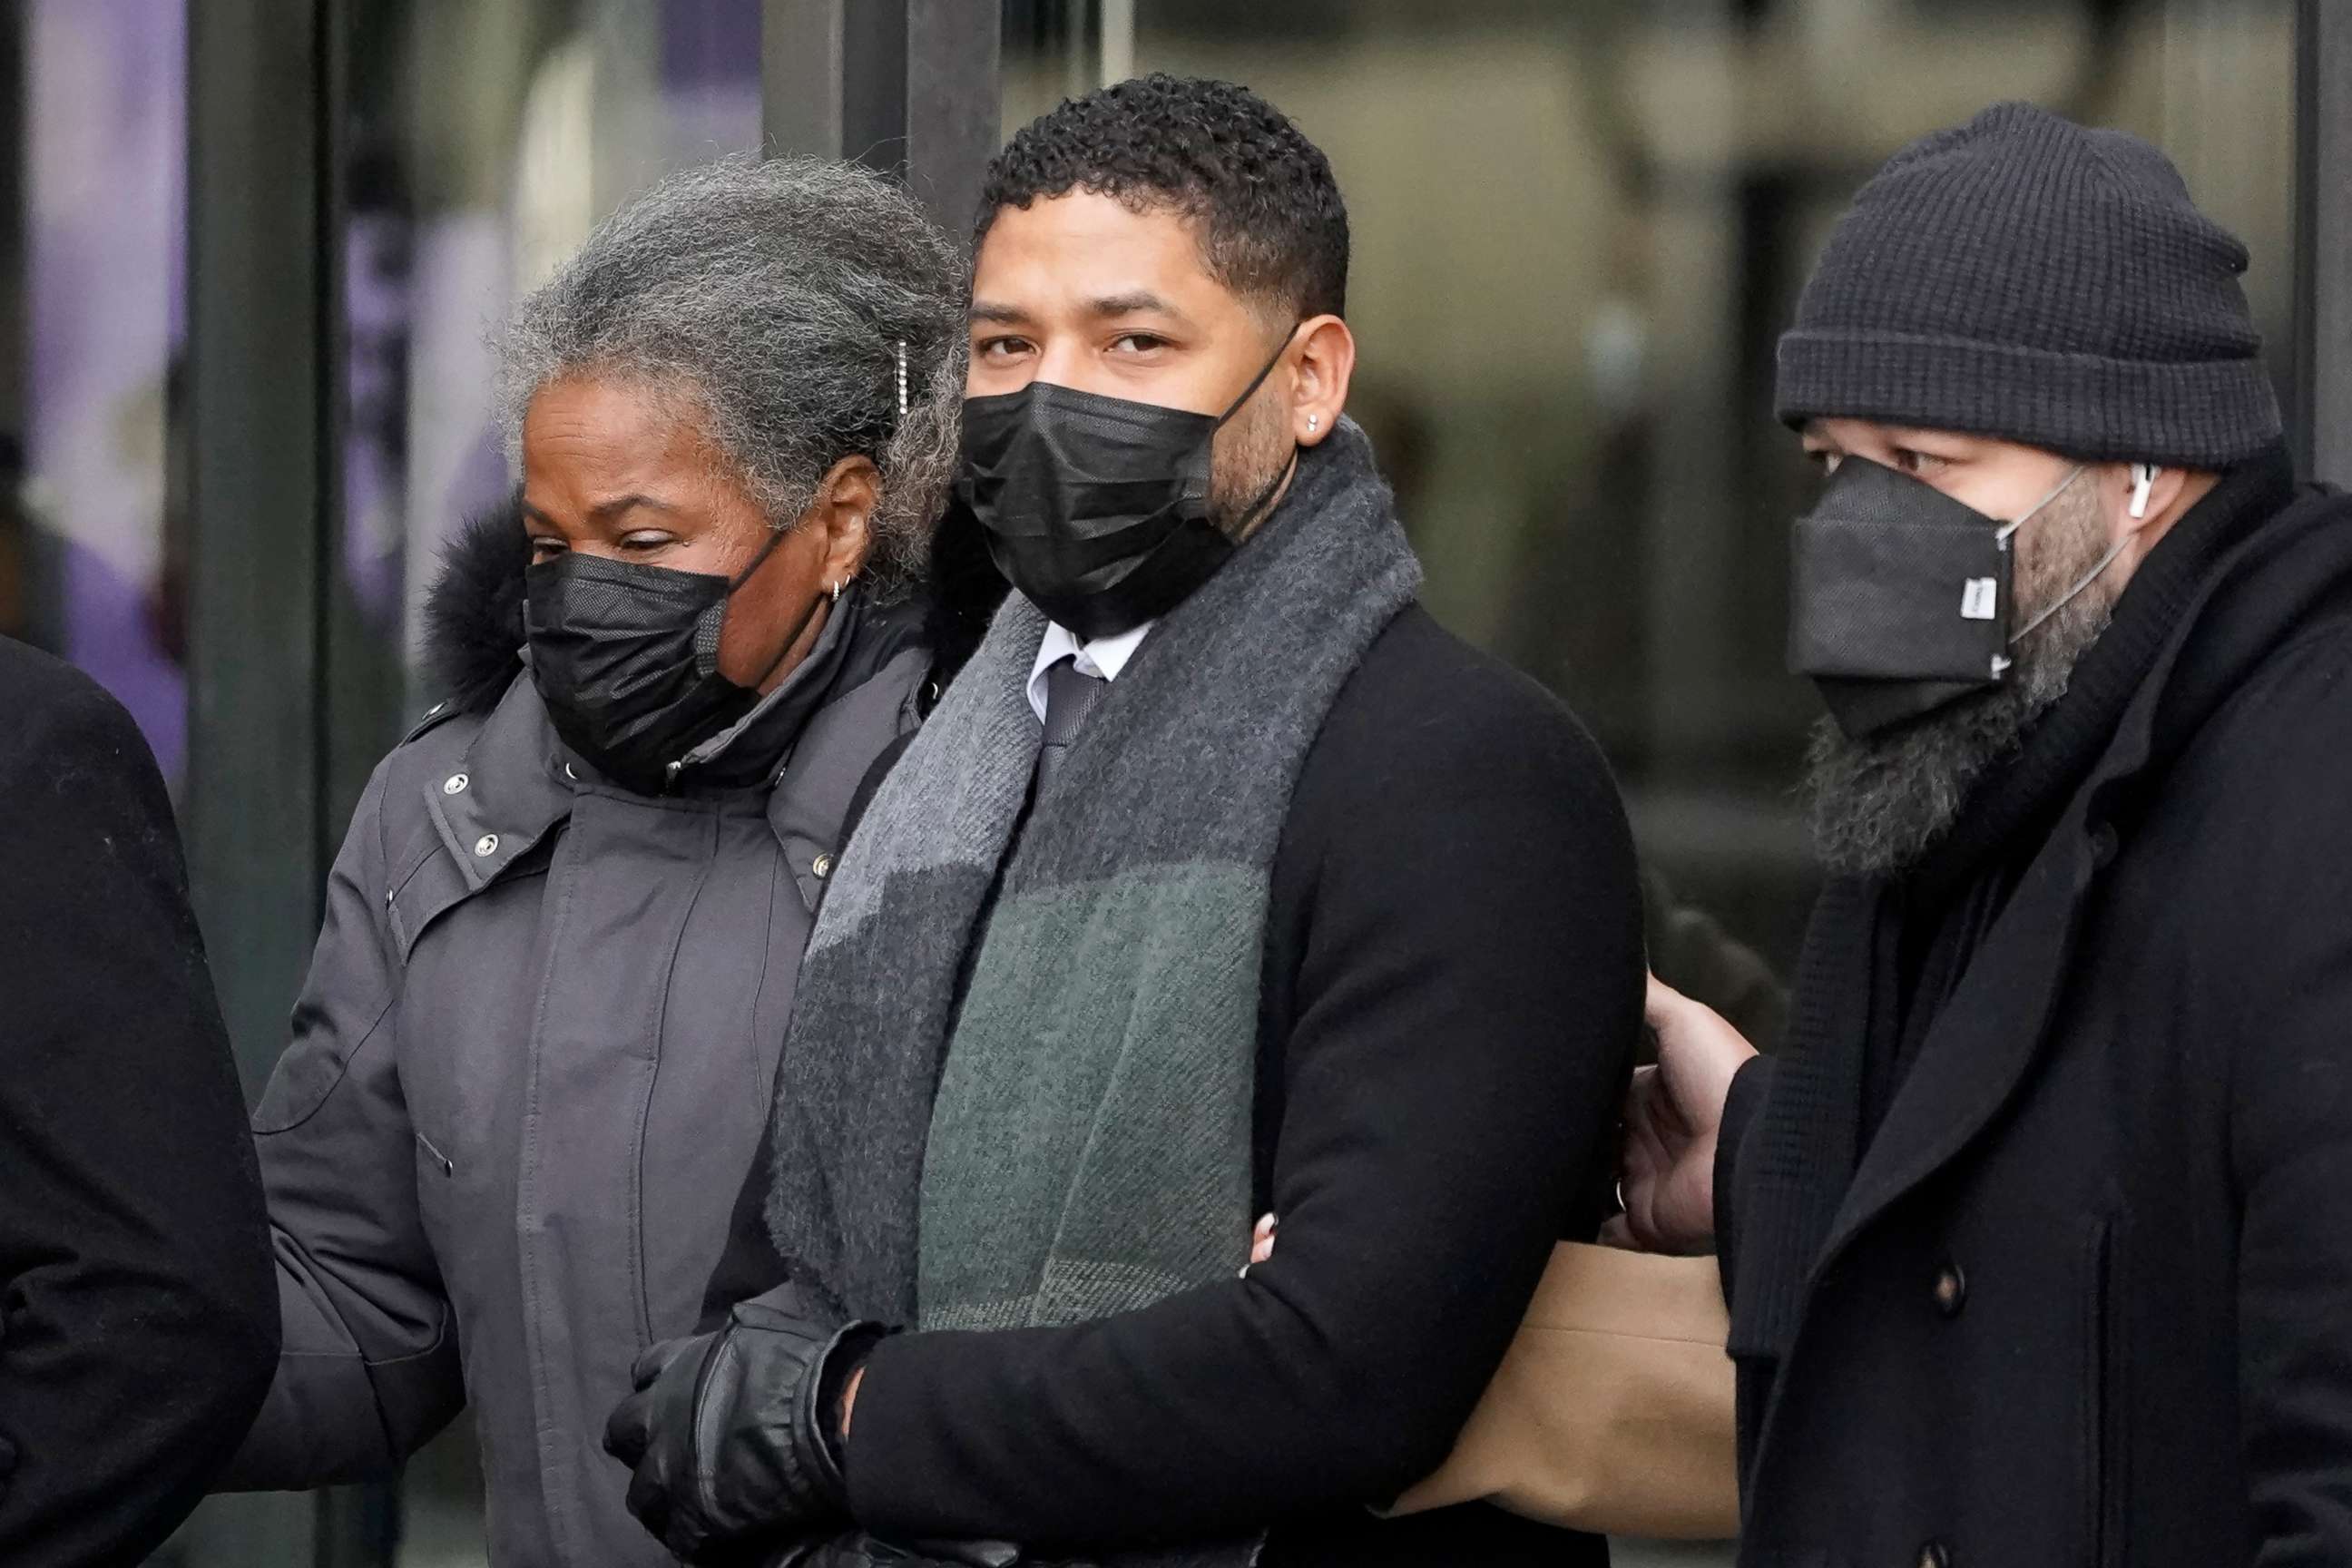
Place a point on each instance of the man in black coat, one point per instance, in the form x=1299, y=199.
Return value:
x=1221, y=880
x=2035, y=1235
x=138, y=1314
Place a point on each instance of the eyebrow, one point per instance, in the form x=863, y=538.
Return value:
x=605, y=512
x=1135, y=303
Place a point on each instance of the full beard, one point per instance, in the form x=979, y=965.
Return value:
x=1876, y=806
x=1247, y=462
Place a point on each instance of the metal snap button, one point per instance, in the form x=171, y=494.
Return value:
x=455, y=783
x=486, y=845
x=1951, y=1290
x=822, y=867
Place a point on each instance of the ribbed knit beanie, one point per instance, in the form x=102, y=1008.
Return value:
x=2023, y=278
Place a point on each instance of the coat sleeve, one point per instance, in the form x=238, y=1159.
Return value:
x=2289, y=962
x=136, y=1326
x=1749, y=1085
x=370, y=1367
x=1467, y=1001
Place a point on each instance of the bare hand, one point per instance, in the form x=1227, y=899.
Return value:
x=1674, y=1112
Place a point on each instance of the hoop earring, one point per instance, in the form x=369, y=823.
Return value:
x=837, y=588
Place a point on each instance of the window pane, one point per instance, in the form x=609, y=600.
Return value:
x=90, y=544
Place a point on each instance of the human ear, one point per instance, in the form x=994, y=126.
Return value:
x=2150, y=492
x=843, y=515
x=1327, y=361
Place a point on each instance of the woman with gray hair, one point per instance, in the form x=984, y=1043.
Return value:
x=533, y=1057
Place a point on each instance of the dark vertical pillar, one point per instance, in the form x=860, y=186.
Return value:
x=874, y=84
x=257, y=443
x=14, y=152
x=800, y=44
x=2322, y=404
x=266, y=92
x=254, y=439
x=357, y=681
x=909, y=86
x=955, y=103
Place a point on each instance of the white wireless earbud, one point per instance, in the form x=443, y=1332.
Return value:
x=2143, y=480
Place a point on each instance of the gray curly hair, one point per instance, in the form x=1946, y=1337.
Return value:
x=774, y=297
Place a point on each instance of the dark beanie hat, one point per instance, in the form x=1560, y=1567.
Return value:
x=2020, y=277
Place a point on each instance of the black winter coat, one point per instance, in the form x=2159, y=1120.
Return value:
x=138, y=1317
x=1449, y=1012
x=2087, y=1296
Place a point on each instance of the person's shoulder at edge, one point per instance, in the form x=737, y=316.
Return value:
x=2286, y=732
x=2277, y=757
x=1426, y=710
x=46, y=703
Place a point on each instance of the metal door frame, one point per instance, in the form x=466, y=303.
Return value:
x=2322, y=400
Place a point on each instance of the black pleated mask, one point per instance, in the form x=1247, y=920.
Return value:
x=1098, y=509
x=1901, y=597
x=625, y=656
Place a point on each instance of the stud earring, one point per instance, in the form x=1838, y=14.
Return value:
x=1312, y=421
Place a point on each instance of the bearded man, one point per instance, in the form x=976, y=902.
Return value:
x=2034, y=1236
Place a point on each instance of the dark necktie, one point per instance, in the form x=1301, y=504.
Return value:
x=1070, y=696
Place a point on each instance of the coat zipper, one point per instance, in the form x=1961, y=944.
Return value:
x=438, y=1158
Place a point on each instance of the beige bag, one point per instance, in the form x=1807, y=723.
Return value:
x=1613, y=1410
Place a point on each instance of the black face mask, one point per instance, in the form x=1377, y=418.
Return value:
x=1096, y=507
x=1901, y=597
x=625, y=656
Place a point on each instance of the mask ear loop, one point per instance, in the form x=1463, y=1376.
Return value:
x=775, y=537
x=1259, y=379
x=1276, y=483
x=2079, y=589
x=2035, y=510
x=2001, y=662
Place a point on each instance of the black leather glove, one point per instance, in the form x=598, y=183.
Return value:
x=729, y=1433
x=856, y=1549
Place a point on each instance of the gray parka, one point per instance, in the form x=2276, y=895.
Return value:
x=528, y=1070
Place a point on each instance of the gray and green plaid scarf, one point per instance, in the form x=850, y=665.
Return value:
x=1075, y=1140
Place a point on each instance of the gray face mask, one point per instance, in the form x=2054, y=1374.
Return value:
x=1902, y=598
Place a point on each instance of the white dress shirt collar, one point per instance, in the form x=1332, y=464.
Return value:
x=1103, y=657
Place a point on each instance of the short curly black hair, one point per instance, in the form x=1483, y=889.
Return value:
x=1270, y=222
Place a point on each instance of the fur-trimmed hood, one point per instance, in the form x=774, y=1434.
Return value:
x=474, y=614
